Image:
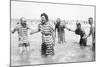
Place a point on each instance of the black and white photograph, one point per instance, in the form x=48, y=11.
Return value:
x=43, y=33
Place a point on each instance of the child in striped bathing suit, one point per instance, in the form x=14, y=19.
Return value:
x=22, y=30
x=48, y=39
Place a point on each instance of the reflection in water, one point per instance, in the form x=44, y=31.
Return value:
x=24, y=59
x=67, y=52
x=64, y=53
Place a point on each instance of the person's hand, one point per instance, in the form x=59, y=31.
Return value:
x=69, y=29
x=31, y=33
x=84, y=37
x=12, y=32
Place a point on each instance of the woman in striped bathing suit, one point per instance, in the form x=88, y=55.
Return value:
x=47, y=31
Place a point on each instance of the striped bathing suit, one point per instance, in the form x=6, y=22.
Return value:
x=23, y=35
x=47, y=39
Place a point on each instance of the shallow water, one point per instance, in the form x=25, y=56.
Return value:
x=64, y=53
x=67, y=52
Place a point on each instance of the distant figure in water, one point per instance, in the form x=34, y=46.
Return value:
x=92, y=32
x=22, y=30
x=79, y=31
x=59, y=26
x=47, y=31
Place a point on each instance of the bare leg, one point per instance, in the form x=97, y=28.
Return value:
x=64, y=37
x=21, y=49
x=61, y=37
x=28, y=48
x=58, y=37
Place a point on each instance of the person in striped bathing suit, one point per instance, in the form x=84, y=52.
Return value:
x=48, y=39
x=22, y=29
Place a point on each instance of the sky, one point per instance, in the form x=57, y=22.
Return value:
x=33, y=10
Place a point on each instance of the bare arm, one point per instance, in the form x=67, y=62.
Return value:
x=69, y=29
x=35, y=31
x=55, y=30
x=90, y=33
x=28, y=28
x=14, y=30
x=85, y=36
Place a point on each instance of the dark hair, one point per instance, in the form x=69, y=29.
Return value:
x=46, y=16
x=89, y=19
x=78, y=24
